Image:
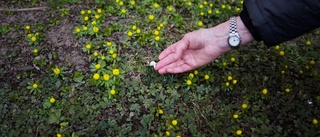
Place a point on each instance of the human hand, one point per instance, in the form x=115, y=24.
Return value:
x=193, y=50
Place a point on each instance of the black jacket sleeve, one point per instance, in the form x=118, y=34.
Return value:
x=277, y=21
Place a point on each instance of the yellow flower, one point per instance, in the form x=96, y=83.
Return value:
x=311, y=62
x=96, y=76
x=132, y=2
x=234, y=81
x=202, y=13
x=59, y=135
x=117, y=1
x=315, y=121
x=86, y=18
x=174, y=122
x=52, y=100
x=89, y=11
x=97, y=66
x=134, y=27
x=35, y=51
x=206, y=77
x=114, y=56
x=205, y=3
x=56, y=71
x=200, y=23
x=217, y=11
x=138, y=31
x=189, y=82
x=227, y=84
x=111, y=51
x=277, y=47
x=151, y=17
x=109, y=44
x=238, y=9
x=95, y=54
x=161, y=25
x=121, y=3
x=85, y=28
x=29, y=35
x=82, y=12
x=233, y=59
x=223, y=6
x=265, y=91
x=156, y=5
x=209, y=11
x=211, y=5
x=112, y=92
x=157, y=38
x=106, y=77
x=196, y=72
x=235, y=116
x=35, y=85
x=97, y=16
x=116, y=72
x=95, y=29
x=130, y=33
x=160, y=111
x=33, y=39
x=123, y=11
x=168, y=133
x=103, y=57
x=200, y=6
x=244, y=106
x=224, y=64
x=308, y=43
x=239, y=132
x=191, y=75
x=229, y=77
x=78, y=30
x=189, y=3
x=99, y=10
x=170, y=8
x=27, y=27
x=287, y=90
x=156, y=32
x=88, y=46
x=281, y=53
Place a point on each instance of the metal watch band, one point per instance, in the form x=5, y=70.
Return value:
x=233, y=25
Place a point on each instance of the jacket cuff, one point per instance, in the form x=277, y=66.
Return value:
x=244, y=15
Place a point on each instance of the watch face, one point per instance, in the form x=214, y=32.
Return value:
x=234, y=41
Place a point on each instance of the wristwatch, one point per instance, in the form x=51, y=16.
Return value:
x=234, y=39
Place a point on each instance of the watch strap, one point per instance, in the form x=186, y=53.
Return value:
x=233, y=25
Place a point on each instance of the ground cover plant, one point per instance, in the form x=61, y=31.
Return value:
x=81, y=68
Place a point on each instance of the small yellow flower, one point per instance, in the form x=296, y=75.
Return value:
x=235, y=116
x=52, y=100
x=157, y=38
x=134, y=27
x=200, y=6
x=174, y=122
x=170, y=8
x=96, y=76
x=33, y=39
x=224, y=64
x=200, y=23
x=239, y=132
x=315, y=121
x=111, y=51
x=282, y=71
x=160, y=111
x=151, y=17
x=97, y=66
x=82, y=12
x=121, y=3
x=210, y=12
x=112, y=92
x=156, y=5
x=189, y=82
x=308, y=43
x=123, y=11
x=211, y=5
x=238, y=9
x=202, y=13
x=95, y=29
x=233, y=59
x=196, y=72
x=138, y=31
x=99, y=10
x=281, y=53
x=78, y=30
x=287, y=90
x=85, y=28
x=109, y=44
x=103, y=57
x=191, y=75
x=130, y=33
x=29, y=35
x=244, y=106
x=106, y=77
x=217, y=11
x=132, y=2
x=312, y=62
x=234, y=81
x=27, y=27
x=95, y=54
x=59, y=135
x=114, y=56
x=168, y=133
x=277, y=47
x=205, y=3
x=35, y=51
x=97, y=16
x=161, y=25
x=116, y=72
x=206, y=77
x=56, y=71
x=227, y=84
x=86, y=18
x=88, y=46
x=223, y=6
x=89, y=11
x=265, y=91
x=35, y=85
x=189, y=3
x=229, y=77
x=156, y=32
